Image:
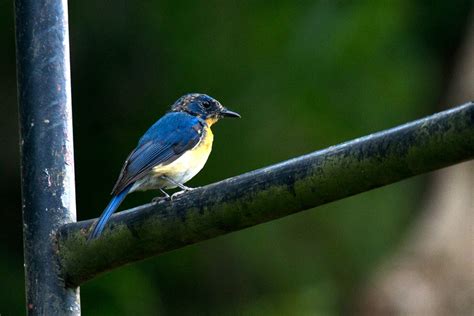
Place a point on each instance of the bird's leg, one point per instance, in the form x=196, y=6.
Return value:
x=180, y=185
x=165, y=193
x=157, y=199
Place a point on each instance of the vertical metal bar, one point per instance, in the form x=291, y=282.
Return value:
x=48, y=194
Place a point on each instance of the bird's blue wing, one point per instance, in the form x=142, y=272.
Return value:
x=164, y=142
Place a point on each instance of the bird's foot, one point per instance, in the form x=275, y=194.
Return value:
x=176, y=194
x=159, y=199
x=184, y=190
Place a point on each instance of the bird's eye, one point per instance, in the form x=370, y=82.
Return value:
x=206, y=105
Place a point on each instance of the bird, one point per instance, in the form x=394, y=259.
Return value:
x=173, y=150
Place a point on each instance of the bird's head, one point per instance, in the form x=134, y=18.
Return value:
x=203, y=106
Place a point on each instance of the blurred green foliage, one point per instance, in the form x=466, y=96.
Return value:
x=304, y=75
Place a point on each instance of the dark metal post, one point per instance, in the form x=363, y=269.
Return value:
x=48, y=194
x=259, y=196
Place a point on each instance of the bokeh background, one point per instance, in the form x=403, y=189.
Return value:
x=304, y=75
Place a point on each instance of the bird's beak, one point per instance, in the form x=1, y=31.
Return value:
x=228, y=113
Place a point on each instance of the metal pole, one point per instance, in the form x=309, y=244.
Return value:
x=259, y=196
x=48, y=194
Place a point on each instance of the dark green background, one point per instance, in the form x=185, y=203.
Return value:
x=304, y=75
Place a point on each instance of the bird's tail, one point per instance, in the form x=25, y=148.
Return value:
x=109, y=210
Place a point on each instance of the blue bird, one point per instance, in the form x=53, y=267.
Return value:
x=170, y=153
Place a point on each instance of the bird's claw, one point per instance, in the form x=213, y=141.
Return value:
x=176, y=194
x=159, y=199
